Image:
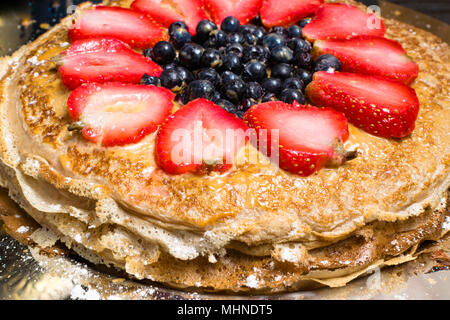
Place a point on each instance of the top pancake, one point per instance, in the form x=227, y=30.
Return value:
x=254, y=203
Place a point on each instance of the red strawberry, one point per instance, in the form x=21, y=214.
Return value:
x=103, y=60
x=284, y=13
x=371, y=55
x=124, y=24
x=309, y=138
x=119, y=113
x=383, y=107
x=342, y=21
x=194, y=139
x=243, y=10
x=168, y=11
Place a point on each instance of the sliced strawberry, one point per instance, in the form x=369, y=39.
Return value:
x=285, y=13
x=309, y=138
x=383, y=107
x=243, y=10
x=168, y=11
x=116, y=113
x=103, y=60
x=199, y=138
x=127, y=25
x=371, y=55
x=342, y=21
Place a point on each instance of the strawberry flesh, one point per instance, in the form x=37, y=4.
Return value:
x=342, y=21
x=119, y=113
x=104, y=60
x=309, y=138
x=132, y=27
x=285, y=13
x=380, y=106
x=243, y=10
x=168, y=11
x=371, y=55
x=194, y=139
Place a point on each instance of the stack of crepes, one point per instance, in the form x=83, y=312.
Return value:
x=253, y=229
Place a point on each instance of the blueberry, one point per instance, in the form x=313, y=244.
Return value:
x=201, y=89
x=294, y=31
x=247, y=28
x=272, y=85
x=190, y=55
x=185, y=75
x=170, y=79
x=227, y=105
x=327, y=62
x=204, y=28
x=216, y=96
x=148, y=52
x=212, y=58
x=254, y=53
x=246, y=104
x=304, y=22
x=182, y=98
x=178, y=24
x=304, y=75
x=293, y=83
x=254, y=71
x=254, y=90
x=232, y=62
x=235, y=38
x=257, y=21
x=170, y=66
x=233, y=90
x=259, y=33
x=289, y=95
x=282, y=71
x=230, y=24
x=217, y=39
x=282, y=54
x=279, y=30
x=299, y=45
x=249, y=38
x=303, y=60
x=163, y=52
x=273, y=40
x=270, y=96
x=180, y=37
x=150, y=80
x=228, y=76
x=236, y=48
x=211, y=75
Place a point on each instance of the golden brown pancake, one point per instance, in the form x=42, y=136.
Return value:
x=255, y=228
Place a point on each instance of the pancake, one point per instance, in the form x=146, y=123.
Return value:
x=255, y=228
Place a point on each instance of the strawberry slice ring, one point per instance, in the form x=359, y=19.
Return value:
x=113, y=114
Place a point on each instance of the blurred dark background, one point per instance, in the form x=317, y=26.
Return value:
x=24, y=20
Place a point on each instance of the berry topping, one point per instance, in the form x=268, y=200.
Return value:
x=103, y=60
x=254, y=71
x=342, y=21
x=327, y=62
x=131, y=27
x=163, y=52
x=230, y=24
x=212, y=58
x=150, y=80
x=168, y=12
x=272, y=85
x=380, y=106
x=117, y=113
x=276, y=12
x=194, y=139
x=201, y=89
x=204, y=28
x=290, y=95
x=179, y=37
x=282, y=71
x=191, y=55
x=309, y=138
x=372, y=56
x=243, y=10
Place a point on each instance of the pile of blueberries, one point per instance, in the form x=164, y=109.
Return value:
x=237, y=66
